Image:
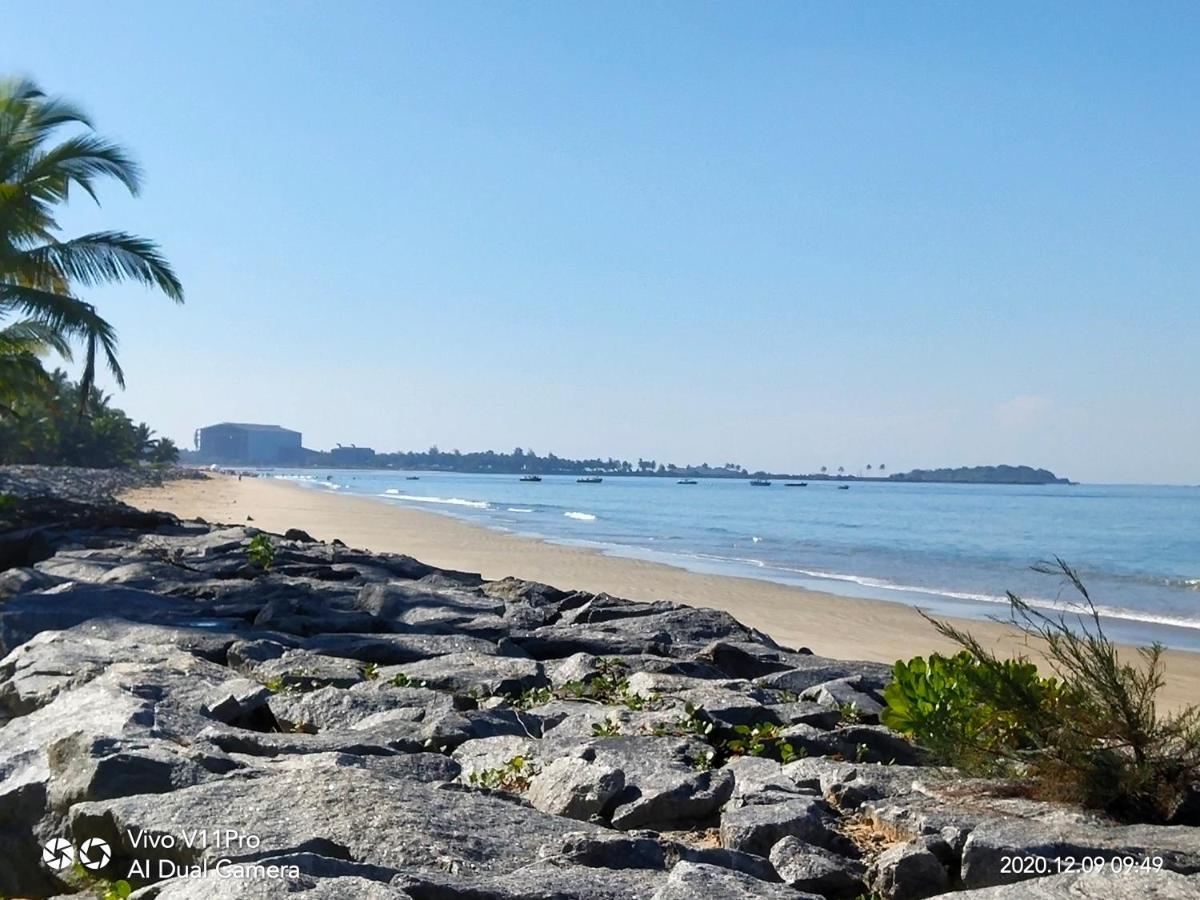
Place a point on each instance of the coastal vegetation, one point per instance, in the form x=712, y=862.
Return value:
x=50, y=150
x=45, y=427
x=1090, y=735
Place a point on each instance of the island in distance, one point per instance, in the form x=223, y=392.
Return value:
x=983, y=475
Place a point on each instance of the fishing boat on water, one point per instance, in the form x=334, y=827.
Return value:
x=686, y=481
x=760, y=482
x=531, y=477
x=796, y=484
x=843, y=487
x=412, y=477
x=589, y=479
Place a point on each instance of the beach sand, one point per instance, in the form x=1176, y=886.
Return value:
x=827, y=624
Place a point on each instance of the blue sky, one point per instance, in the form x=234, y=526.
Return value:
x=789, y=235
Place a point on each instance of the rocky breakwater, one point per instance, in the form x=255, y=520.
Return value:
x=224, y=714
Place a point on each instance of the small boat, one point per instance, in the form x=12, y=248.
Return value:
x=589, y=479
x=531, y=477
x=796, y=484
x=843, y=487
x=412, y=477
x=760, y=482
x=686, y=481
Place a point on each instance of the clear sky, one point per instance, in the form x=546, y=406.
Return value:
x=783, y=234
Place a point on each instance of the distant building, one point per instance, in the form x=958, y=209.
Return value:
x=243, y=443
x=351, y=456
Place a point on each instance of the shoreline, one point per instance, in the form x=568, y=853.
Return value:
x=829, y=624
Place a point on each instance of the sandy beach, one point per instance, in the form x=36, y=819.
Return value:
x=827, y=624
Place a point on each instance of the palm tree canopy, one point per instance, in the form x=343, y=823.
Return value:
x=41, y=273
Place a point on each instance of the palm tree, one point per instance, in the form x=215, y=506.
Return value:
x=41, y=275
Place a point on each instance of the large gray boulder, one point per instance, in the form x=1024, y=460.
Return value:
x=345, y=812
x=992, y=846
x=664, y=786
x=69, y=604
x=807, y=867
x=577, y=787
x=1102, y=884
x=908, y=872
x=690, y=881
x=756, y=828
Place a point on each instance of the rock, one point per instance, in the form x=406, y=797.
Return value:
x=908, y=872
x=236, y=701
x=689, y=881
x=805, y=713
x=298, y=534
x=432, y=609
x=846, y=693
x=396, y=649
x=231, y=885
x=756, y=828
x=543, y=880
x=1103, y=884
x=487, y=753
x=663, y=787
x=998, y=840
x=575, y=787
x=810, y=671
x=301, y=616
x=345, y=812
x=746, y=659
x=334, y=708
x=876, y=744
x=473, y=673
x=69, y=604
x=759, y=780
x=304, y=670
x=806, y=867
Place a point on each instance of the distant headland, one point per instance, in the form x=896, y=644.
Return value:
x=234, y=443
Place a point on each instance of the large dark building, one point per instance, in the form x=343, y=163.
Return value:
x=247, y=444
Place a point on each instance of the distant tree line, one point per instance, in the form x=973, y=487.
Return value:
x=528, y=462
x=522, y=461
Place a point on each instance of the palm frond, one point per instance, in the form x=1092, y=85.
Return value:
x=80, y=160
x=110, y=256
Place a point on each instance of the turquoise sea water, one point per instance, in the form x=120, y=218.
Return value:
x=951, y=549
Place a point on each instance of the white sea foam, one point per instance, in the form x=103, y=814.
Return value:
x=520, y=509
x=581, y=516
x=391, y=494
x=1058, y=606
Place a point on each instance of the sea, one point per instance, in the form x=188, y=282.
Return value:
x=950, y=549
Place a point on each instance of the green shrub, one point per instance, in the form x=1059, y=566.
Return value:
x=763, y=739
x=975, y=714
x=1092, y=735
x=261, y=551
x=610, y=727
x=514, y=776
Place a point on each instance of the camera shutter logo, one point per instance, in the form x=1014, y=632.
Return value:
x=58, y=854
x=94, y=853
